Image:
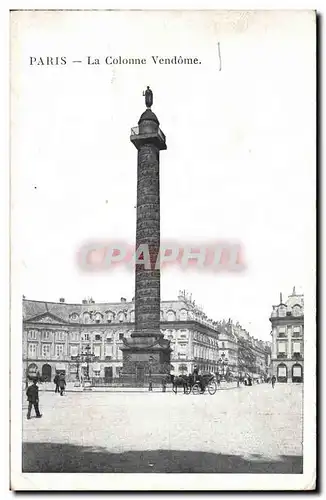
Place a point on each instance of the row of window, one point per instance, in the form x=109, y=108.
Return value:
x=87, y=336
x=295, y=311
x=283, y=346
x=76, y=336
x=120, y=317
x=202, y=337
x=59, y=351
x=204, y=353
x=295, y=331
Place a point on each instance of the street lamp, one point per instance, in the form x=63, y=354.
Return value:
x=84, y=357
x=223, y=362
x=88, y=357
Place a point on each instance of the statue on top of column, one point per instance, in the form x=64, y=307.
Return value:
x=148, y=97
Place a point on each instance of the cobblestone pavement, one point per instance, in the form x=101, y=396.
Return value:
x=249, y=429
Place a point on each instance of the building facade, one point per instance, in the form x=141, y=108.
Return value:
x=241, y=354
x=287, y=321
x=55, y=333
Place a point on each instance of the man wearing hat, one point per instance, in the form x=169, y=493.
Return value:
x=32, y=396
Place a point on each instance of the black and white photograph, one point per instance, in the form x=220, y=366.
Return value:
x=163, y=227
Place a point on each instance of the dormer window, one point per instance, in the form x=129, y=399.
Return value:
x=98, y=317
x=171, y=316
x=110, y=316
x=282, y=311
x=296, y=311
x=183, y=315
x=87, y=317
x=121, y=317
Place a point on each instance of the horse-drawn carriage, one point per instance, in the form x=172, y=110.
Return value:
x=190, y=385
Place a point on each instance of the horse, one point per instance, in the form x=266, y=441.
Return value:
x=184, y=381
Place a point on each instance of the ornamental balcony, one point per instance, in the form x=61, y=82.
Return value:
x=297, y=355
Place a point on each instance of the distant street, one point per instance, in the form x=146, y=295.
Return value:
x=250, y=429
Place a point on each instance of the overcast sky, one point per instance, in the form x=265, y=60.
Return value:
x=239, y=164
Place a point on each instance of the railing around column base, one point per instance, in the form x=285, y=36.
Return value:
x=126, y=381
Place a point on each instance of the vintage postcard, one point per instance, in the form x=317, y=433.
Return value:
x=163, y=172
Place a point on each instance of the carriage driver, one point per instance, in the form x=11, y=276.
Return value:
x=198, y=378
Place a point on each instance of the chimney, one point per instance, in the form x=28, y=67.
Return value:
x=281, y=298
x=62, y=299
x=123, y=299
x=84, y=301
x=293, y=292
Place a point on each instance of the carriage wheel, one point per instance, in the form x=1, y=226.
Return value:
x=212, y=387
x=196, y=389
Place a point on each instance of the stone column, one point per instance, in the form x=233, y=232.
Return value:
x=147, y=353
x=147, y=281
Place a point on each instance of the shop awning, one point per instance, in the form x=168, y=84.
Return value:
x=60, y=367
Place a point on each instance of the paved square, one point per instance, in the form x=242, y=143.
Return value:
x=250, y=429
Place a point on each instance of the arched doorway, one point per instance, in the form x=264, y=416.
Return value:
x=46, y=372
x=282, y=373
x=297, y=373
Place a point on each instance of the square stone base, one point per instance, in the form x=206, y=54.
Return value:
x=146, y=360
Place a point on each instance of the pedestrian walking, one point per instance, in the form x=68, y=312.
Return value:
x=273, y=381
x=56, y=382
x=62, y=384
x=33, y=400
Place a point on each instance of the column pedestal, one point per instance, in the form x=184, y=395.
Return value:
x=146, y=359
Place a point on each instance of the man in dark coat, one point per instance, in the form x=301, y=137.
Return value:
x=56, y=382
x=32, y=396
x=273, y=381
x=62, y=384
x=198, y=378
